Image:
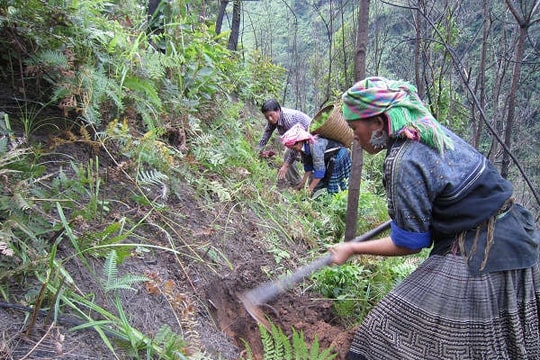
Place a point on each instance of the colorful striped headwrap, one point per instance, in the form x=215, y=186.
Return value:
x=296, y=134
x=406, y=113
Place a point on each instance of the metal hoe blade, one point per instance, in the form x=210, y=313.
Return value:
x=254, y=311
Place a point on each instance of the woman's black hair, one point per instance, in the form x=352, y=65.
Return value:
x=270, y=105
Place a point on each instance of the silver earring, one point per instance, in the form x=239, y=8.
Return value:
x=379, y=139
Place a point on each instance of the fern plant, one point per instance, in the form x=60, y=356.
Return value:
x=146, y=151
x=22, y=224
x=112, y=282
x=82, y=190
x=278, y=346
x=119, y=325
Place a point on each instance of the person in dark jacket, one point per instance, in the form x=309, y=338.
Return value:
x=477, y=295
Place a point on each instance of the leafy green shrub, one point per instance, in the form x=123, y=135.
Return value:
x=372, y=207
x=389, y=271
x=96, y=60
x=360, y=284
x=327, y=214
x=349, y=285
x=22, y=224
x=259, y=79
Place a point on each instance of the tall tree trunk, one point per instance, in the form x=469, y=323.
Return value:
x=357, y=155
x=330, y=55
x=524, y=20
x=329, y=36
x=481, y=82
x=219, y=22
x=235, y=26
x=345, y=65
x=502, y=67
x=417, y=47
x=361, y=41
x=516, y=74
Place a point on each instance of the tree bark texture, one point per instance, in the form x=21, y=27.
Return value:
x=417, y=46
x=357, y=155
x=524, y=21
x=235, y=26
x=221, y=15
x=481, y=81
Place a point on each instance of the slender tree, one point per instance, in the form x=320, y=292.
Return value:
x=221, y=15
x=525, y=13
x=235, y=26
x=481, y=81
x=417, y=47
x=344, y=50
x=357, y=155
x=329, y=35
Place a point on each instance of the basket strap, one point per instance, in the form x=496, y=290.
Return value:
x=332, y=149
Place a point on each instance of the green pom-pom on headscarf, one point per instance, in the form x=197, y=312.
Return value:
x=407, y=115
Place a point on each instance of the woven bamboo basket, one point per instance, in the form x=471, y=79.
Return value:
x=329, y=123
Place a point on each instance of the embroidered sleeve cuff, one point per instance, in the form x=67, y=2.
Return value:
x=409, y=240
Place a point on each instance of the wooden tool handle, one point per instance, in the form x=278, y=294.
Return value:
x=271, y=289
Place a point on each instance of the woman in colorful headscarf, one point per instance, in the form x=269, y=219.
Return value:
x=477, y=296
x=327, y=164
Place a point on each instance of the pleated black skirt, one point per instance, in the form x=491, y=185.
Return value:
x=442, y=312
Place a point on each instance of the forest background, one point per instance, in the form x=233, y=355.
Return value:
x=128, y=161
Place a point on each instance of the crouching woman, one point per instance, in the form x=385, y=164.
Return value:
x=327, y=163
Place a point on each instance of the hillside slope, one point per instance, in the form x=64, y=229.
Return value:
x=197, y=251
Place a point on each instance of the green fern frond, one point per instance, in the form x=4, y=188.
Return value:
x=110, y=270
x=52, y=58
x=148, y=113
x=287, y=347
x=328, y=354
x=204, y=139
x=151, y=177
x=267, y=342
x=220, y=191
x=247, y=348
x=163, y=334
x=112, y=282
x=276, y=345
x=170, y=342
x=20, y=202
x=279, y=342
x=95, y=88
x=153, y=64
x=126, y=282
x=314, y=351
x=145, y=87
x=299, y=345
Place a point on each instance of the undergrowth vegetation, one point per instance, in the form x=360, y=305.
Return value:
x=158, y=111
x=278, y=346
